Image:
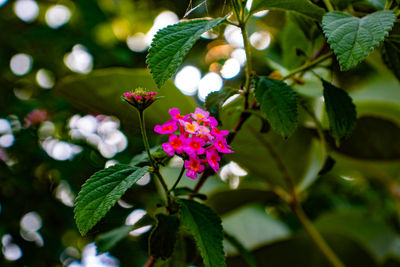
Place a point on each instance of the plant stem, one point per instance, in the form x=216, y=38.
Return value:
x=147, y=148
x=315, y=235
x=179, y=178
x=328, y=5
x=308, y=65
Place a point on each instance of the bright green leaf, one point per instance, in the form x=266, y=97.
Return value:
x=172, y=43
x=279, y=102
x=340, y=109
x=163, y=237
x=205, y=226
x=304, y=7
x=352, y=38
x=101, y=191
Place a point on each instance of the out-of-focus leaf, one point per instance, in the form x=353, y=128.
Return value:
x=228, y=200
x=303, y=7
x=279, y=102
x=101, y=191
x=205, y=226
x=303, y=250
x=215, y=100
x=340, y=109
x=253, y=227
x=300, y=153
x=378, y=4
x=352, y=38
x=101, y=90
x=171, y=44
x=186, y=191
x=375, y=236
x=391, y=50
x=106, y=241
x=246, y=254
x=163, y=237
x=385, y=136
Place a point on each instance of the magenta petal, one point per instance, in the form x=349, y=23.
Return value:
x=191, y=174
x=168, y=149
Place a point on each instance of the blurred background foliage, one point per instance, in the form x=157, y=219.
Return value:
x=63, y=67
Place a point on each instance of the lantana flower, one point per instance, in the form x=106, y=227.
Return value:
x=139, y=98
x=196, y=139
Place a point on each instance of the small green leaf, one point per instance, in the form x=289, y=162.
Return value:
x=215, y=100
x=340, y=109
x=172, y=43
x=205, y=226
x=101, y=191
x=106, y=241
x=304, y=7
x=279, y=102
x=163, y=237
x=352, y=38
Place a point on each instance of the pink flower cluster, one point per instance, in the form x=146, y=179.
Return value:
x=196, y=138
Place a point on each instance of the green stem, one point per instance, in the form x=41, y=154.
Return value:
x=328, y=5
x=179, y=177
x=308, y=65
x=316, y=236
x=388, y=4
x=147, y=148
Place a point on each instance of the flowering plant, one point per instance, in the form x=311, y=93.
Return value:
x=196, y=138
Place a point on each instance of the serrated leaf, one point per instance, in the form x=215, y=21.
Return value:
x=391, y=51
x=304, y=7
x=340, y=109
x=101, y=191
x=163, y=237
x=352, y=38
x=279, y=102
x=106, y=241
x=171, y=44
x=215, y=100
x=205, y=226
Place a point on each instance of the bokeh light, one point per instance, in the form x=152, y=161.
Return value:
x=137, y=42
x=211, y=82
x=45, y=78
x=11, y=251
x=187, y=80
x=230, y=69
x=20, y=64
x=233, y=35
x=260, y=40
x=164, y=19
x=79, y=59
x=26, y=10
x=240, y=55
x=2, y=2
x=57, y=16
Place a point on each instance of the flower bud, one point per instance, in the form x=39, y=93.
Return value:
x=140, y=98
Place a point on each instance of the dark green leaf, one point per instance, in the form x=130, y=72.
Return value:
x=101, y=191
x=279, y=102
x=186, y=191
x=340, y=109
x=215, y=100
x=352, y=38
x=106, y=241
x=391, y=50
x=172, y=43
x=228, y=200
x=163, y=237
x=304, y=7
x=241, y=249
x=205, y=226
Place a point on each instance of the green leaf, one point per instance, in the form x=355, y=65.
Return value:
x=340, y=109
x=246, y=254
x=279, y=102
x=303, y=7
x=101, y=191
x=106, y=241
x=391, y=50
x=352, y=38
x=100, y=92
x=205, y=226
x=163, y=237
x=171, y=44
x=215, y=100
x=225, y=201
x=186, y=191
